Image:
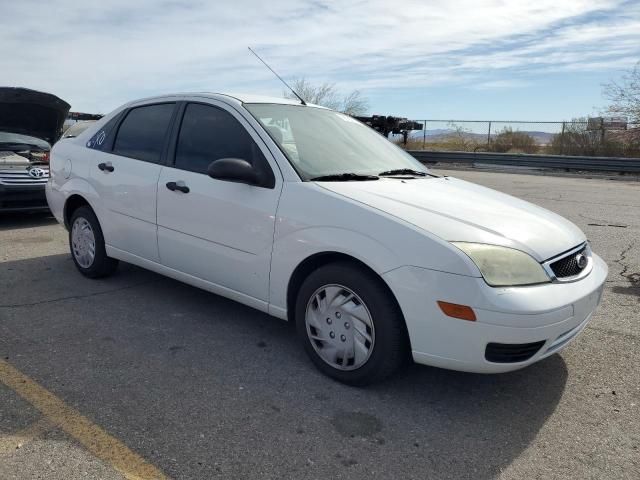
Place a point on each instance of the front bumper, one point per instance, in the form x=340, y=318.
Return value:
x=553, y=314
x=22, y=198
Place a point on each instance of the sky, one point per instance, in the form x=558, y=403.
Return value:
x=430, y=59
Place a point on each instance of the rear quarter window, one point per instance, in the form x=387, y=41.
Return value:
x=103, y=138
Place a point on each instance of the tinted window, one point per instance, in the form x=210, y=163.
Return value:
x=142, y=133
x=103, y=138
x=77, y=128
x=209, y=133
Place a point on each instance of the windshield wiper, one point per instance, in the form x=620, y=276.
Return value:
x=403, y=171
x=343, y=177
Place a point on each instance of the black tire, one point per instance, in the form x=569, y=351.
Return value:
x=390, y=348
x=102, y=265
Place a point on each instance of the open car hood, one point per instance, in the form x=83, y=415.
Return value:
x=33, y=113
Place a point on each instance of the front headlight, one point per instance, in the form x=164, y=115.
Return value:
x=502, y=266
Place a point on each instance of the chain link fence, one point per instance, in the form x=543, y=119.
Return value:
x=580, y=137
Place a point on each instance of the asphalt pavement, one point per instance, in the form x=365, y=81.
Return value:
x=137, y=376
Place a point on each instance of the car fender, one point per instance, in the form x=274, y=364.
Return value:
x=69, y=175
x=81, y=187
x=312, y=220
x=293, y=249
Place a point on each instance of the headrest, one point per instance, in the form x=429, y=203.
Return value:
x=276, y=133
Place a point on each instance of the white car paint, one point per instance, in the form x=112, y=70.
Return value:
x=128, y=199
x=229, y=244
x=245, y=242
x=457, y=210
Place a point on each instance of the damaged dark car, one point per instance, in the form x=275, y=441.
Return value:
x=30, y=122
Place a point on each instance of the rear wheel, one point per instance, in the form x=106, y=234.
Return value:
x=350, y=325
x=87, y=245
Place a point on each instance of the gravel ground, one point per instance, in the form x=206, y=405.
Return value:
x=202, y=387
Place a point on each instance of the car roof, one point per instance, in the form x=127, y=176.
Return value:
x=251, y=98
x=240, y=98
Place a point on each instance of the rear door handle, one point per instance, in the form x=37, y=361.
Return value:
x=180, y=186
x=106, y=167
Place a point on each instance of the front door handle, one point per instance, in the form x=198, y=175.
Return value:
x=180, y=186
x=106, y=167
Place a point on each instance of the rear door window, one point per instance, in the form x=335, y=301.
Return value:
x=143, y=132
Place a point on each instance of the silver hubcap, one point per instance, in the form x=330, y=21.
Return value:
x=83, y=242
x=340, y=327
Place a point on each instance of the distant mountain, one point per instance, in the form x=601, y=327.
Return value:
x=442, y=134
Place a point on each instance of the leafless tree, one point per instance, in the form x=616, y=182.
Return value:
x=355, y=104
x=578, y=139
x=624, y=95
x=459, y=139
x=327, y=95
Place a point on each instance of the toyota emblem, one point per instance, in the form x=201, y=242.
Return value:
x=581, y=260
x=37, y=172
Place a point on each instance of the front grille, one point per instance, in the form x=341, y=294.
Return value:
x=21, y=203
x=511, y=352
x=21, y=199
x=21, y=176
x=568, y=266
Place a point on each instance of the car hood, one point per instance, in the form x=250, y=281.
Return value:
x=456, y=210
x=33, y=113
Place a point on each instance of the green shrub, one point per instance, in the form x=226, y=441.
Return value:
x=513, y=141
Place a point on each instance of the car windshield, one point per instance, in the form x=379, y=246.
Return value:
x=320, y=142
x=77, y=128
x=8, y=138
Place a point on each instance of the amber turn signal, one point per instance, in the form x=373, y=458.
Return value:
x=457, y=311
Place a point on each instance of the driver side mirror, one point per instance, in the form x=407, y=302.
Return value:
x=233, y=170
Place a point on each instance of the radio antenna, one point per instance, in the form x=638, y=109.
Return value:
x=279, y=77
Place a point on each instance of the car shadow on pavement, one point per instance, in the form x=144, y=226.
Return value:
x=205, y=387
x=18, y=220
x=633, y=288
x=491, y=418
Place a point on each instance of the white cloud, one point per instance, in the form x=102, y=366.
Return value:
x=501, y=84
x=97, y=55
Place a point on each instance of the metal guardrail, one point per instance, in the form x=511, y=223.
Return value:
x=606, y=164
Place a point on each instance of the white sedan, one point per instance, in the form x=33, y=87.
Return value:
x=311, y=216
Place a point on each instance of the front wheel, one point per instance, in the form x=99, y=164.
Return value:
x=350, y=324
x=87, y=245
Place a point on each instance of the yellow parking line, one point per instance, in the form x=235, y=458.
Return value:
x=94, y=438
